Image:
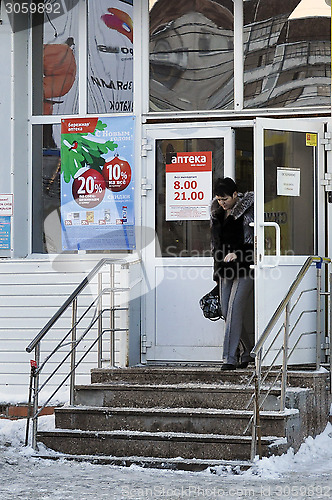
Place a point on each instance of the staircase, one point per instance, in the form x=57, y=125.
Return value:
x=183, y=417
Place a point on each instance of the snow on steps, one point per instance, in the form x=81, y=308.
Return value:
x=193, y=465
x=168, y=395
x=201, y=417
x=158, y=444
x=194, y=420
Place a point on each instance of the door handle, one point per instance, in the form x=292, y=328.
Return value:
x=278, y=242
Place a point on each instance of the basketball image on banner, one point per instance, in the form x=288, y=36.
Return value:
x=97, y=184
x=188, y=186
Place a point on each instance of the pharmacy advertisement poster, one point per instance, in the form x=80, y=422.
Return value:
x=97, y=183
x=188, y=185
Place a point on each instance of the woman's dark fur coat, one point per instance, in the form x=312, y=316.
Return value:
x=233, y=234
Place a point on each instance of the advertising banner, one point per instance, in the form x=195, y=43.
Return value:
x=5, y=230
x=110, y=56
x=188, y=186
x=97, y=183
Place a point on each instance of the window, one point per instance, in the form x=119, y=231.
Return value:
x=290, y=37
x=55, y=62
x=110, y=56
x=191, y=55
x=101, y=33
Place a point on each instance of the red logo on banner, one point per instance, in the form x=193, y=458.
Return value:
x=88, y=188
x=78, y=125
x=187, y=162
x=117, y=174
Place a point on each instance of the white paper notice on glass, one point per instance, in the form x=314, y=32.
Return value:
x=189, y=186
x=6, y=205
x=288, y=181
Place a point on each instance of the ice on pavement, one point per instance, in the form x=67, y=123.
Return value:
x=302, y=475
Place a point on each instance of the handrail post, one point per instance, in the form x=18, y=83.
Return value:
x=318, y=318
x=112, y=318
x=285, y=360
x=35, y=398
x=256, y=426
x=100, y=319
x=73, y=351
x=33, y=367
x=330, y=328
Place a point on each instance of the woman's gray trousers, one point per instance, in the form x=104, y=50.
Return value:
x=234, y=298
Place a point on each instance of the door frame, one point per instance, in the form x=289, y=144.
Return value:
x=292, y=125
x=292, y=264
x=153, y=132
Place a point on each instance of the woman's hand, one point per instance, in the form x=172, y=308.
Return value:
x=229, y=257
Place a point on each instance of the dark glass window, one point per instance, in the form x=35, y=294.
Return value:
x=46, y=231
x=287, y=54
x=110, y=56
x=55, y=60
x=191, y=55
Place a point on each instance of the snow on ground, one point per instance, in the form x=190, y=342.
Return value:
x=304, y=475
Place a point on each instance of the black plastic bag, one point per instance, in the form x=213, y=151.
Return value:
x=210, y=305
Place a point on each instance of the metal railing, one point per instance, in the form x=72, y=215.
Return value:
x=260, y=351
x=91, y=318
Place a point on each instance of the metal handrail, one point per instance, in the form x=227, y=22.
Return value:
x=70, y=300
x=98, y=313
x=75, y=365
x=284, y=307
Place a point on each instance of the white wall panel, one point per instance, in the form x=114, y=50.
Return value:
x=31, y=291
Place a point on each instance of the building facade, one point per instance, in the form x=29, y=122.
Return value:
x=244, y=84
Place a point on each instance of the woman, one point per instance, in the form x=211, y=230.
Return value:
x=233, y=252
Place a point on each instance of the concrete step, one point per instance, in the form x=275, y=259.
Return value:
x=189, y=395
x=305, y=378
x=170, y=375
x=191, y=420
x=192, y=465
x=157, y=444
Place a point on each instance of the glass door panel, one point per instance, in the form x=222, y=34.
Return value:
x=289, y=203
x=179, y=265
x=289, y=187
x=183, y=238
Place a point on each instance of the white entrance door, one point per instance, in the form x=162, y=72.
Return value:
x=289, y=224
x=177, y=252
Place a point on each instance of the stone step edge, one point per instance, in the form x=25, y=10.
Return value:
x=128, y=371
x=161, y=436
x=196, y=369
x=187, y=412
x=173, y=387
x=184, y=464
x=164, y=369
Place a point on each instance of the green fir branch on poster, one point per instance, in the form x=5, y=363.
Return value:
x=78, y=151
